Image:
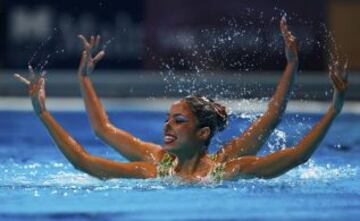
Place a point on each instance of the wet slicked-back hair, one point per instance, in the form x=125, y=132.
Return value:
x=208, y=113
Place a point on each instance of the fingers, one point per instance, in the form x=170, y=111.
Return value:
x=291, y=37
x=340, y=71
x=97, y=41
x=283, y=25
x=284, y=28
x=42, y=83
x=33, y=79
x=43, y=74
x=334, y=67
x=287, y=35
x=344, y=73
x=99, y=56
x=22, y=79
x=339, y=83
x=84, y=56
x=31, y=72
x=85, y=42
x=92, y=41
x=38, y=85
x=83, y=61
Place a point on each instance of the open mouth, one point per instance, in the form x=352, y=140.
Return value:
x=169, y=138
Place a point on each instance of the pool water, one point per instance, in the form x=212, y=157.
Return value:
x=37, y=183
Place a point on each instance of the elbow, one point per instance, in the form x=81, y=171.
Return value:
x=301, y=155
x=82, y=164
x=100, y=130
x=88, y=171
x=99, y=125
x=303, y=159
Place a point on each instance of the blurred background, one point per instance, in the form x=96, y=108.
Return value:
x=162, y=48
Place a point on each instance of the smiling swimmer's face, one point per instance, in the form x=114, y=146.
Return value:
x=180, y=128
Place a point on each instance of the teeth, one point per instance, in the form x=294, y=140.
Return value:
x=169, y=138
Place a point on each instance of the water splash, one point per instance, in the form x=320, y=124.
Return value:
x=107, y=43
x=41, y=57
x=279, y=143
x=60, y=178
x=239, y=46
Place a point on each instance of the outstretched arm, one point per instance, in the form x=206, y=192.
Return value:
x=95, y=166
x=249, y=142
x=73, y=151
x=281, y=161
x=129, y=146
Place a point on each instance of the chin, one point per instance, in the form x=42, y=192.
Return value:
x=171, y=147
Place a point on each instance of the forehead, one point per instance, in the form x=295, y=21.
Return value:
x=180, y=107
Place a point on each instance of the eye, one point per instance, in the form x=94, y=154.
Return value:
x=180, y=119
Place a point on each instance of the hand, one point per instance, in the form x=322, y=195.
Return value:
x=291, y=45
x=87, y=63
x=338, y=75
x=36, y=86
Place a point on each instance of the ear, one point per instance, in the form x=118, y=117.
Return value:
x=204, y=133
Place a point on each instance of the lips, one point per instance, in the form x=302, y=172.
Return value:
x=169, y=138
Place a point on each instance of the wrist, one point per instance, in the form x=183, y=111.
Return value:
x=39, y=108
x=334, y=111
x=40, y=114
x=83, y=77
x=82, y=73
x=40, y=111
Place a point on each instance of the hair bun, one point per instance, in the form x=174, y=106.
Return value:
x=221, y=115
x=208, y=113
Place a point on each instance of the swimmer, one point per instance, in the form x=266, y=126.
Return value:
x=188, y=129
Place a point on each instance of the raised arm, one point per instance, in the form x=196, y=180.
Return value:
x=72, y=150
x=281, y=161
x=250, y=141
x=125, y=143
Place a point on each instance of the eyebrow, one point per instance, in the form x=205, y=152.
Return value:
x=175, y=115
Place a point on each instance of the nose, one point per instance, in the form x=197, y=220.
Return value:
x=167, y=125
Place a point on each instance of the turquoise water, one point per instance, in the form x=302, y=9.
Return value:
x=37, y=183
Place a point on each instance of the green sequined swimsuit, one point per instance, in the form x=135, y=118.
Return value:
x=167, y=164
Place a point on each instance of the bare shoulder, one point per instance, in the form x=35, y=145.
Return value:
x=157, y=154
x=150, y=152
x=161, y=155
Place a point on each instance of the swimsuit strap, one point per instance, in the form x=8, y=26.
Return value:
x=217, y=172
x=166, y=166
